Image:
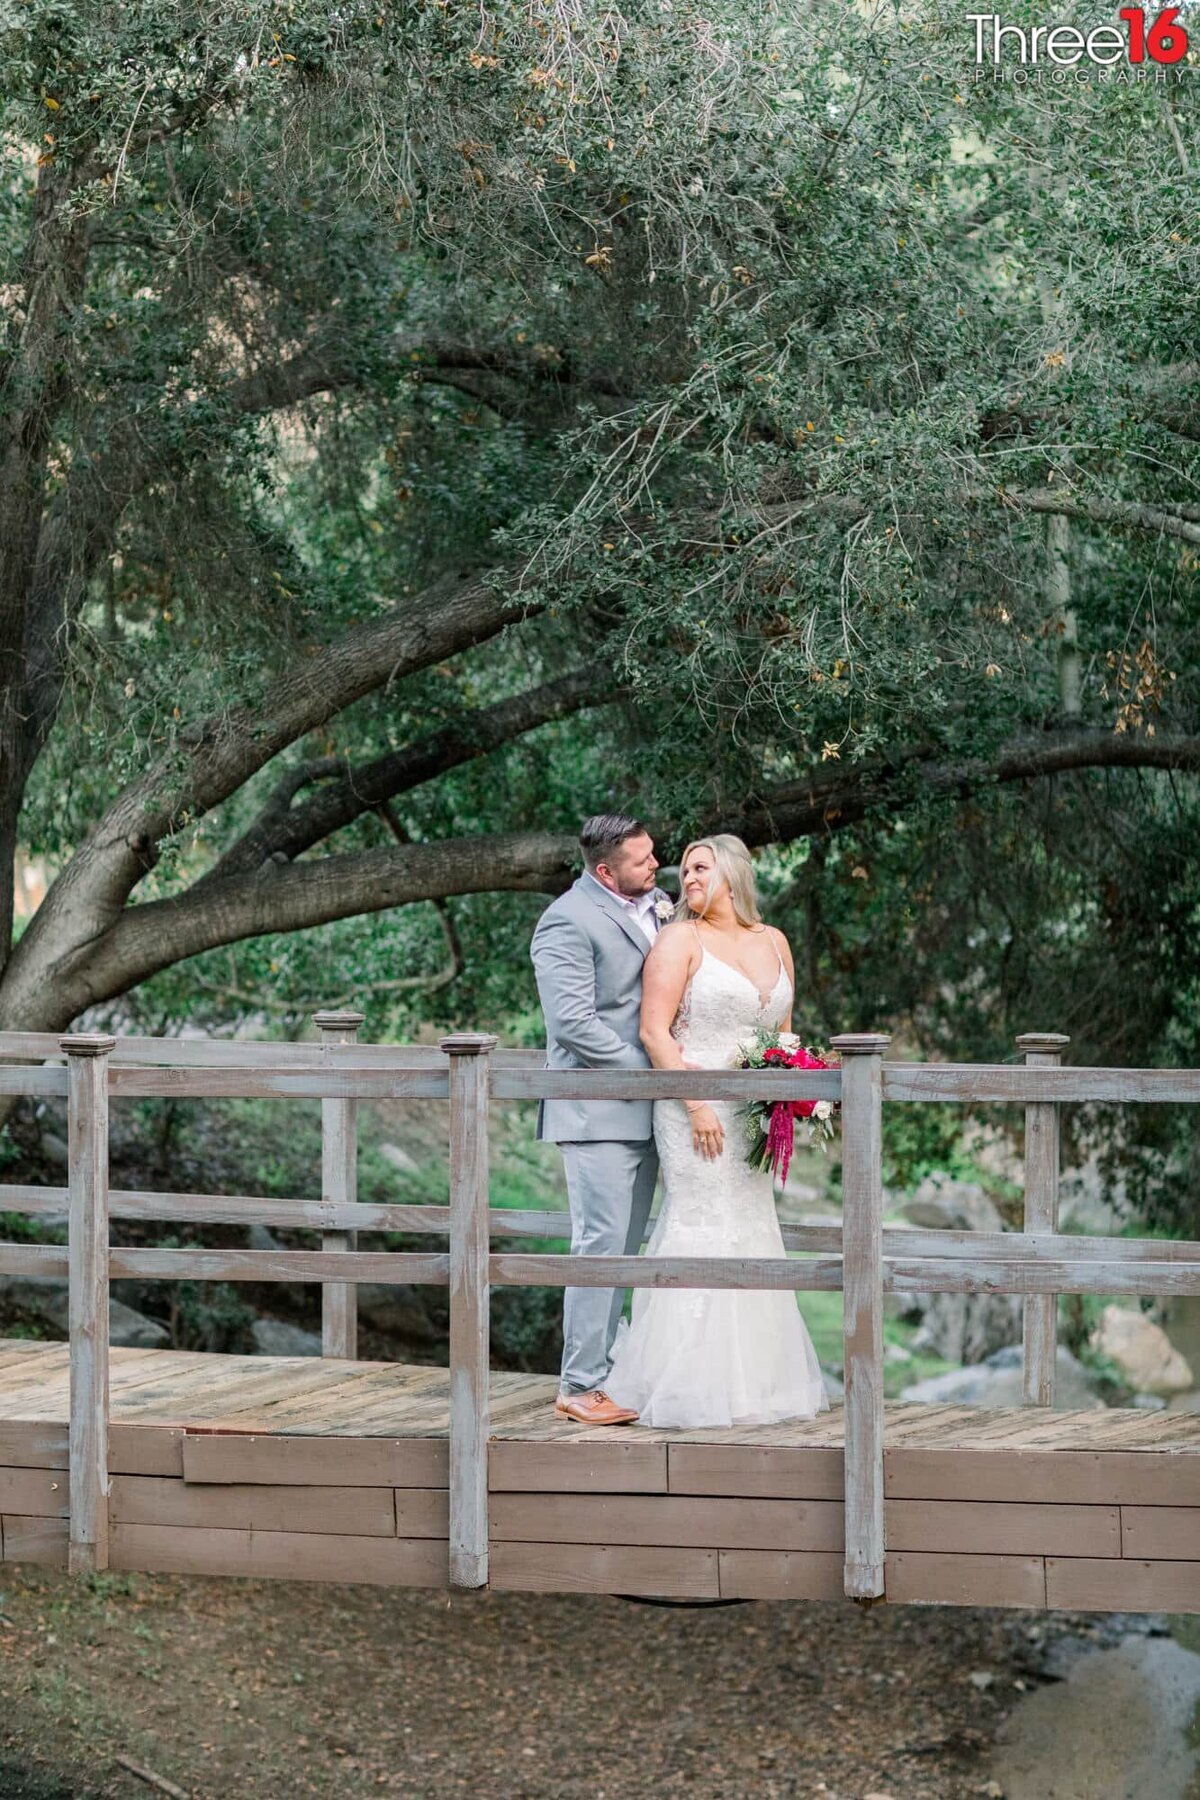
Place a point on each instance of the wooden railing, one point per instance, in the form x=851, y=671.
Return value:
x=863, y=1257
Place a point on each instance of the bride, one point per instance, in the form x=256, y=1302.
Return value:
x=697, y=1357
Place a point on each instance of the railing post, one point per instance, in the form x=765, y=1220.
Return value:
x=1040, y=1322
x=339, y=1185
x=87, y=1262
x=470, y=1064
x=862, y=1297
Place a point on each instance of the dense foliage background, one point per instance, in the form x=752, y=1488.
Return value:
x=421, y=426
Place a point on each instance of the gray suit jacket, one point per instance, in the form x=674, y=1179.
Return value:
x=587, y=955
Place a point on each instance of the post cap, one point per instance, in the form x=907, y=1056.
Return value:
x=338, y=1021
x=1050, y=1042
x=468, y=1043
x=88, y=1043
x=860, y=1043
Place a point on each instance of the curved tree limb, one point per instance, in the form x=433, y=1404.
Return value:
x=144, y=939
x=214, y=757
x=1128, y=515
x=285, y=831
x=828, y=801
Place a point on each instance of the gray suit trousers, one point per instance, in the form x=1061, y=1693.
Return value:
x=610, y=1186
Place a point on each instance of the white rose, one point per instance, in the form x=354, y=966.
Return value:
x=664, y=909
x=823, y=1109
x=788, y=1041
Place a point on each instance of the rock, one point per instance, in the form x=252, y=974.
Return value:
x=54, y=1149
x=1142, y=1350
x=276, y=1337
x=961, y=1328
x=1090, y=1203
x=399, y=1159
x=968, y=1328
x=896, y=1353
x=45, y=1297
x=132, y=1330
x=998, y=1382
x=398, y=1310
x=261, y=1237
x=942, y=1204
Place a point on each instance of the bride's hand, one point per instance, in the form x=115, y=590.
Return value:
x=708, y=1133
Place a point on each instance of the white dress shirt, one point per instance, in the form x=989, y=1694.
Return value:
x=642, y=908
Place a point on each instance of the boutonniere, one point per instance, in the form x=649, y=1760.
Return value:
x=664, y=909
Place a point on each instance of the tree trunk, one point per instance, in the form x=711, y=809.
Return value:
x=35, y=382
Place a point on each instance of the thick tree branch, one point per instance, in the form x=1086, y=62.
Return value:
x=284, y=831
x=35, y=374
x=834, y=798
x=154, y=936
x=1129, y=515
x=294, y=896
x=215, y=756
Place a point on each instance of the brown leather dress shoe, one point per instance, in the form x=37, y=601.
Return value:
x=593, y=1409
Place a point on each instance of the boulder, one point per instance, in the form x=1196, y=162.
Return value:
x=968, y=1328
x=398, y=1310
x=54, y=1149
x=45, y=1297
x=1142, y=1351
x=132, y=1330
x=963, y=1328
x=1091, y=1203
x=261, y=1237
x=998, y=1382
x=943, y=1204
x=276, y=1337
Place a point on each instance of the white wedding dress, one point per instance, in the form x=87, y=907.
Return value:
x=716, y=1356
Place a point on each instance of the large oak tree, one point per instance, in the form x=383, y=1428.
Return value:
x=420, y=424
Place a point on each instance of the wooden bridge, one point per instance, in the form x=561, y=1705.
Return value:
x=338, y=1469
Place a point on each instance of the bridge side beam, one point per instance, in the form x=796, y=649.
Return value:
x=862, y=1322
x=87, y=1263
x=1039, y=1331
x=470, y=1068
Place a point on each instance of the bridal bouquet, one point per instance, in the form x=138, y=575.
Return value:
x=771, y=1124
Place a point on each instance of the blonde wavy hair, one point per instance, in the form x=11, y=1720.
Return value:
x=732, y=865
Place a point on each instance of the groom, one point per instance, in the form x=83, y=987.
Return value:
x=588, y=950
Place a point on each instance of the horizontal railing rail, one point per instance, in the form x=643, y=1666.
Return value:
x=861, y=1256
x=433, y=1220
x=210, y=1052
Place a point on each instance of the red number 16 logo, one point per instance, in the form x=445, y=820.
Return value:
x=1166, y=41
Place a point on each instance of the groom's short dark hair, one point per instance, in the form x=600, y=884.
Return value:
x=602, y=836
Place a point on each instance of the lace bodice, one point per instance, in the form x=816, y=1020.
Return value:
x=721, y=1006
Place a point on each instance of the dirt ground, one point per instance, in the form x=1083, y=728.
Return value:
x=280, y=1691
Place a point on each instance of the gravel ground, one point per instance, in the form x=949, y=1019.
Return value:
x=284, y=1690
